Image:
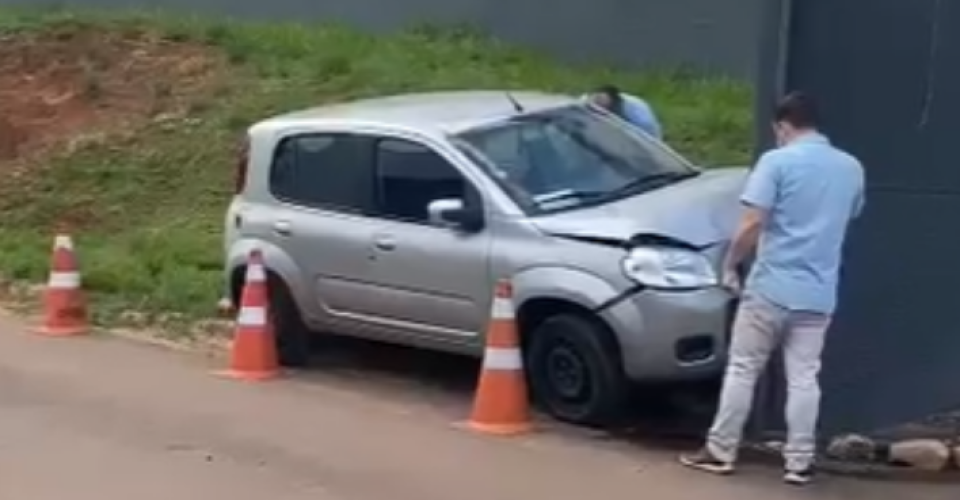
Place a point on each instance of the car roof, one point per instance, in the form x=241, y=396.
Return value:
x=431, y=112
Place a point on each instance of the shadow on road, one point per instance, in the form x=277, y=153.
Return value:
x=663, y=416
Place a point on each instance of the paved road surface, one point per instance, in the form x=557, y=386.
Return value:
x=105, y=419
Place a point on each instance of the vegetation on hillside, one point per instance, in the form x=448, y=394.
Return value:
x=138, y=162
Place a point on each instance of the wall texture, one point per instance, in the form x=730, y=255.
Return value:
x=891, y=354
x=714, y=35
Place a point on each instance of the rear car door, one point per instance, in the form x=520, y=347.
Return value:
x=324, y=184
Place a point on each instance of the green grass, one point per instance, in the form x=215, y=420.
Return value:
x=154, y=201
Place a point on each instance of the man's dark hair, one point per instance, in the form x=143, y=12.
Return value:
x=614, y=95
x=797, y=109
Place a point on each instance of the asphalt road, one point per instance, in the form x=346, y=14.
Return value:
x=104, y=418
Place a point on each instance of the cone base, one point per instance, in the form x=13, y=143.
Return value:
x=500, y=429
x=62, y=331
x=249, y=376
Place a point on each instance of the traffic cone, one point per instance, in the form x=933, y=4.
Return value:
x=253, y=354
x=501, y=405
x=65, y=308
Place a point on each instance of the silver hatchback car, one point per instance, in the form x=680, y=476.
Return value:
x=393, y=218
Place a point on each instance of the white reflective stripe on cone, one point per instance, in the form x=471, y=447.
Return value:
x=256, y=273
x=252, y=316
x=64, y=280
x=62, y=241
x=502, y=358
x=501, y=308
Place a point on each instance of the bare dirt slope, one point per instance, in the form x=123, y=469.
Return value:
x=68, y=84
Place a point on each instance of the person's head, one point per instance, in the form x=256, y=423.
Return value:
x=795, y=114
x=608, y=97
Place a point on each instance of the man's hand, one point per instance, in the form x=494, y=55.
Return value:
x=730, y=279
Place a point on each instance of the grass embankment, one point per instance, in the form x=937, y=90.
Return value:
x=146, y=198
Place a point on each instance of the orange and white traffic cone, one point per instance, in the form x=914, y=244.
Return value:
x=253, y=355
x=65, y=307
x=501, y=405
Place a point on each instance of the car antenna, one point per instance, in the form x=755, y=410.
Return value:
x=516, y=104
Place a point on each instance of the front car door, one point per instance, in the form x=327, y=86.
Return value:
x=431, y=281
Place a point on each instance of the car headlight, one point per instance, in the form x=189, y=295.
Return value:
x=669, y=268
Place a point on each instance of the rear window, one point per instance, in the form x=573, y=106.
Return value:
x=323, y=171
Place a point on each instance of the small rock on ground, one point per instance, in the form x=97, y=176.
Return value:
x=922, y=454
x=853, y=448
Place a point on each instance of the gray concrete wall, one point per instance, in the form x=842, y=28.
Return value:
x=714, y=35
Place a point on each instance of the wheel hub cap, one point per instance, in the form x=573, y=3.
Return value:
x=567, y=373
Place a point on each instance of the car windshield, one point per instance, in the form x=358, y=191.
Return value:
x=571, y=157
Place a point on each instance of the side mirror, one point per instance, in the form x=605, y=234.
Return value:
x=453, y=213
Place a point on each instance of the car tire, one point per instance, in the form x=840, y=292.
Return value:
x=291, y=332
x=575, y=371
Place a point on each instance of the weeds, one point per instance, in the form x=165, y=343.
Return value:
x=92, y=87
x=148, y=205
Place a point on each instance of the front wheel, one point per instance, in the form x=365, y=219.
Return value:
x=575, y=371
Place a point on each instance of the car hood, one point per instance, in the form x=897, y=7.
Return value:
x=701, y=211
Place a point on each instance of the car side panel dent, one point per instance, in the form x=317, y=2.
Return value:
x=584, y=289
x=571, y=284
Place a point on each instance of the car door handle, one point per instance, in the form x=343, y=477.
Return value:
x=283, y=227
x=385, y=243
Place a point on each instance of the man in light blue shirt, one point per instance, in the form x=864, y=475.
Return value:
x=632, y=109
x=798, y=203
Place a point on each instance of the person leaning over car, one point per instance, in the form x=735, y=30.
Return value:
x=630, y=108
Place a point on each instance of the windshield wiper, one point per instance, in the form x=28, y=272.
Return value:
x=629, y=187
x=565, y=194
x=652, y=180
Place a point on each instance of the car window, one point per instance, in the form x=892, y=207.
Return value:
x=409, y=176
x=324, y=171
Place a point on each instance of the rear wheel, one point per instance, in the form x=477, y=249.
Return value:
x=292, y=333
x=575, y=370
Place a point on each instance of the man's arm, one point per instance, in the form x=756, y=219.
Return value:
x=758, y=198
x=746, y=237
x=859, y=200
x=857, y=206
x=641, y=114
